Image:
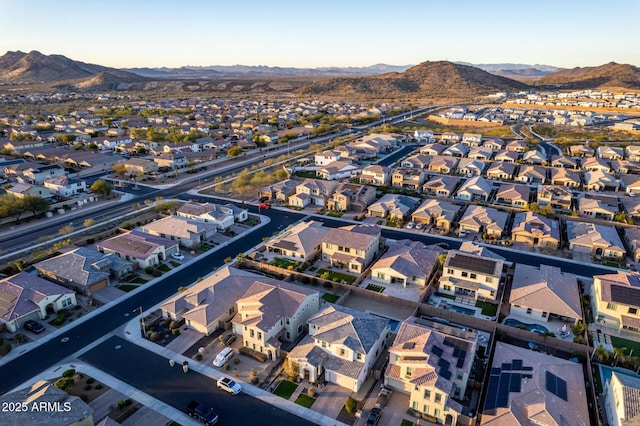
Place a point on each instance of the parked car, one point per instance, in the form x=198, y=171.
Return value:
x=229, y=385
x=419, y=225
x=410, y=225
x=383, y=398
x=265, y=206
x=223, y=357
x=177, y=256
x=203, y=413
x=34, y=326
x=229, y=339
x=374, y=416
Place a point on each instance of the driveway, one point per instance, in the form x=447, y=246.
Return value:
x=331, y=399
x=108, y=294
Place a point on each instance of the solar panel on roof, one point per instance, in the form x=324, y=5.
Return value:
x=495, y=371
x=527, y=376
x=492, y=393
x=471, y=263
x=448, y=342
x=443, y=363
x=527, y=368
x=516, y=364
x=556, y=385
x=515, y=382
x=506, y=366
x=446, y=374
x=503, y=391
x=456, y=352
x=437, y=350
x=562, y=388
x=460, y=363
x=626, y=295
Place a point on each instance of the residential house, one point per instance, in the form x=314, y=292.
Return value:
x=480, y=153
x=507, y=156
x=535, y=157
x=531, y=175
x=302, y=242
x=140, y=166
x=26, y=297
x=393, y=206
x=610, y=152
x=621, y=392
x=555, y=196
x=408, y=178
x=280, y=191
x=632, y=238
x=188, y=232
x=170, y=161
x=325, y=158
x=494, y=144
x=594, y=164
x=416, y=161
x=630, y=184
x=457, y=150
x=338, y=170
x=441, y=214
x=472, y=139
x=600, y=181
x=376, y=175
x=500, y=170
x=423, y=136
x=46, y=404
x=476, y=188
x=542, y=389
x=442, y=164
x=431, y=363
x=597, y=209
x=631, y=207
x=615, y=300
x=64, y=186
x=513, y=195
x=450, y=138
x=623, y=167
x=597, y=240
x=535, y=230
x=470, y=276
x=632, y=152
x=580, y=151
x=139, y=248
x=433, y=149
x=84, y=270
x=343, y=344
x=441, y=186
x=483, y=220
x=545, y=292
x=354, y=247
x=564, y=162
x=406, y=262
x=269, y=313
x=470, y=167
x=223, y=216
x=36, y=174
x=22, y=190
x=517, y=146
x=312, y=191
x=565, y=177
x=351, y=197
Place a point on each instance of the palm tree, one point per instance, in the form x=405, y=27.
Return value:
x=619, y=354
x=600, y=352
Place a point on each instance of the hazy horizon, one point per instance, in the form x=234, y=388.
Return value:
x=283, y=33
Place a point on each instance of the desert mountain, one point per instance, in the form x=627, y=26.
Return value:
x=20, y=67
x=440, y=79
x=608, y=75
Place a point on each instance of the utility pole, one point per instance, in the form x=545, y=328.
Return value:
x=144, y=327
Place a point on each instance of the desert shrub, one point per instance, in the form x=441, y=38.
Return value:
x=226, y=367
x=236, y=361
x=88, y=387
x=69, y=373
x=154, y=336
x=128, y=402
x=99, y=386
x=64, y=383
x=255, y=380
x=156, y=273
x=198, y=357
x=351, y=405
x=148, y=269
x=121, y=404
x=90, y=380
x=175, y=332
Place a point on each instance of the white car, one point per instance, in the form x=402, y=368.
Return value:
x=229, y=385
x=177, y=256
x=410, y=225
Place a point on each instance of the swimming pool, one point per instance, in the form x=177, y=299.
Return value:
x=458, y=309
x=536, y=328
x=393, y=324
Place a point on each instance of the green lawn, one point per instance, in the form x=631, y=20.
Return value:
x=311, y=174
x=139, y=280
x=285, y=389
x=619, y=342
x=164, y=268
x=250, y=222
x=337, y=276
x=406, y=422
x=391, y=224
x=331, y=298
x=305, y=400
x=488, y=309
x=375, y=288
x=174, y=263
x=282, y=263
x=447, y=296
x=205, y=247
x=127, y=287
x=334, y=214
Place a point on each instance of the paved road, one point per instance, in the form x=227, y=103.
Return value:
x=387, y=161
x=151, y=374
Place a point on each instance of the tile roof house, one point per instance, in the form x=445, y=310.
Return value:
x=565, y=177
x=632, y=152
x=541, y=389
x=630, y=184
x=393, y=206
x=61, y=408
x=26, y=297
x=470, y=167
x=223, y=216
x=480, y=153
x=622, y=399
x=312, y=191
x=433, y=149
x=598, y=240
x=354, y=247
x=406, y=262
x=326, y=157
x=269, y=313
x=517, y=146
x=470, y=276
x=623, y=167
x=65, y=186
x=343, y=344
x=513, y=195
x=408, y=178
x=141, y=165
x=500, y=170
x=507, y=156
x=441, y=186
x=632, y=238
x=456, y=150
x=535, y=157
x=610, y=152
x=189, y=232
x=302, y=242
x=280, y=191
x=564, y=162
x=416, y=161
x=438, y=213
x=535, y=230
x=632, y=207
x=580, y=151
x=544, y=292
x=600, y=181
x=84, y=270
x=431, y=363
x=593, y=164
x=442, y=164
x=375, y=174
x=531, y=174
x=555, y=196
x=596, y=209
x=481, y=220
x=22, y=190
x=139, y=248
x=616, y=300
x=495, y=144
x=472, y=139
x=338, y=170
x=450, y=138
x=351, y=197
x=476, y=188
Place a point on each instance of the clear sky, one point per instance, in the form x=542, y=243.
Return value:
x=155, y=33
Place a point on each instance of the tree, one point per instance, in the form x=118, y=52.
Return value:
x=234, y=151
x=65, y=230
x=101, y=187
x=619, y=354
x=601, y=353
x=35, y=204
x=291, y=368
x=88, y=222
x=351, y=405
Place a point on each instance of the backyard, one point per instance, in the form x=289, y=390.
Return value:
x=488, y=309
x=331, y=298
x=335, y=276
x=376, y=288
x=283, y=263
x=630, y=347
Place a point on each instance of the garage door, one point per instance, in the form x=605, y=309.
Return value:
x=98, y=286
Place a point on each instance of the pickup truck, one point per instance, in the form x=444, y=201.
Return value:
x=203, y=413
